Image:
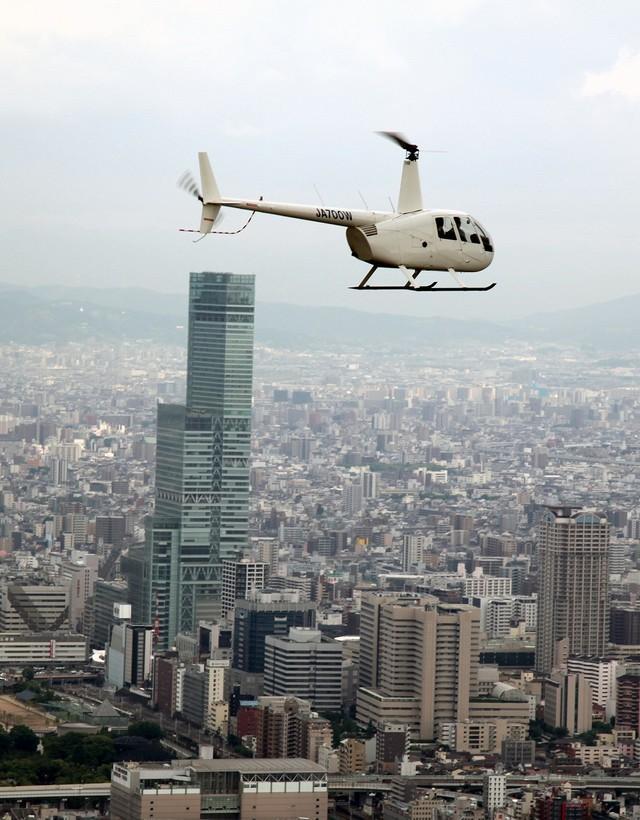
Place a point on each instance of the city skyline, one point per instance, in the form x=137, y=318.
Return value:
x=106, y=105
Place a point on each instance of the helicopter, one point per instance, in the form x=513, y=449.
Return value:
x=410, y=238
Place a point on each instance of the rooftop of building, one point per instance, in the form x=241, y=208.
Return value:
x=265, y=765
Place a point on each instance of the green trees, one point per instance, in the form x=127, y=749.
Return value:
x=73, y=757
x=146, y=729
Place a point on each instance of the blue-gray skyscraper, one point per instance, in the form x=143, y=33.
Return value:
x=202, y=464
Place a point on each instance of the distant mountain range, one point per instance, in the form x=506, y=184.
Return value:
x=60, y=313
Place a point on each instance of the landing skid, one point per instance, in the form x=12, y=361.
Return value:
x=411, y=284
x=432, y=288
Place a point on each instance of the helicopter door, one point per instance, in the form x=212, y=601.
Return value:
x=449, y=246
x=471, y=245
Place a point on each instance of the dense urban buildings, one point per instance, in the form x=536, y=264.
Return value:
x=435, y=571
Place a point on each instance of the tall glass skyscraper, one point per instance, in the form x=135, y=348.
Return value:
x=202, y=464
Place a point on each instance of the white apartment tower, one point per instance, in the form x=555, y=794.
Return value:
x=573, y=548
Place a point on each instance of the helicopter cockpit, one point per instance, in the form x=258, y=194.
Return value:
x=463, y=229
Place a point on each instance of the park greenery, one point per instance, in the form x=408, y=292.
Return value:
x=74, y=757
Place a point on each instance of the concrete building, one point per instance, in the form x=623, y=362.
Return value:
x=601, y=674
x=25, y=609
x=352, y=758
x=106, y=594
x=203, y=695
x=128, y=656
x=266, y=614
x=418, y=662
x=239, y=579
x=413, y=546
x=624, y=625
x=61, y=648
x=516, y=753
x=305, y=665
x=494, y=792
x=628, y=702
x=81, y=576
x=573, y=605
x=481, y=737
x=568, y=702
x=140, y=791
x=392, y=744
x=479, y=585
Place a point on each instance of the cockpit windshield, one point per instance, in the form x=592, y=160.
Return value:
x=470, y=231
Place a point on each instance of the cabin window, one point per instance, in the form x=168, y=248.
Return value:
x=444, y=224
x=467, y=229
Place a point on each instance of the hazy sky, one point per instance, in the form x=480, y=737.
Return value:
x=104, y=105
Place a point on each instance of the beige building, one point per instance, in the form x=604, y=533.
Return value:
x=481, y=737
x=418, y=662
x=352, y=756
x=239, y=789
x=567, y=702
x=142, y=791
x=424, y=807
x=573, y=549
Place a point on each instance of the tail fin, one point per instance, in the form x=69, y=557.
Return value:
x=210, y=194
x=410, y=197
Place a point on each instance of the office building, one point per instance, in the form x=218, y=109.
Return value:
x=61, y=648
x=286, y=727
x=25, y=609
x=202, y=465
x=352, y=498
x=628, y=702
x=81, y=576
x=245, y=789
x=392, y=744
x=106, y=594
x=412, y=551
x=479, y=585
x=624, y=625
x=203, y=695
x=266, y=614
x=418, y=662
x=516, y=753
x=573, y=587
x=110, y=529
x=601, y=674
x=567, y=702
x=304, y=665
x=494, y=792
x=128, y=656
x=239, y=578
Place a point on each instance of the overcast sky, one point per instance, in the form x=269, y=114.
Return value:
x=104, y=105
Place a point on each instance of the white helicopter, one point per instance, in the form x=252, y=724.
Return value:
x=411, y=238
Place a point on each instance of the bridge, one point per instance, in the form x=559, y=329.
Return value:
x=354, y=783
x=54, y=792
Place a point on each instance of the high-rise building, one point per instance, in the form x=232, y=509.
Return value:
x=202, y=472
x=304, y=665
x=574, y=577
x=628, y=702
x=266, y=614
x=624, y=626
x=239, y=578
x=567, y=702
x=128, y=657
x=494, y=792
x=418, y=662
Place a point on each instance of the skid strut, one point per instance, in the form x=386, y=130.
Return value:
x=411, y=285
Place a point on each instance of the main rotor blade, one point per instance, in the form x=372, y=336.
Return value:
x=400, y=140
